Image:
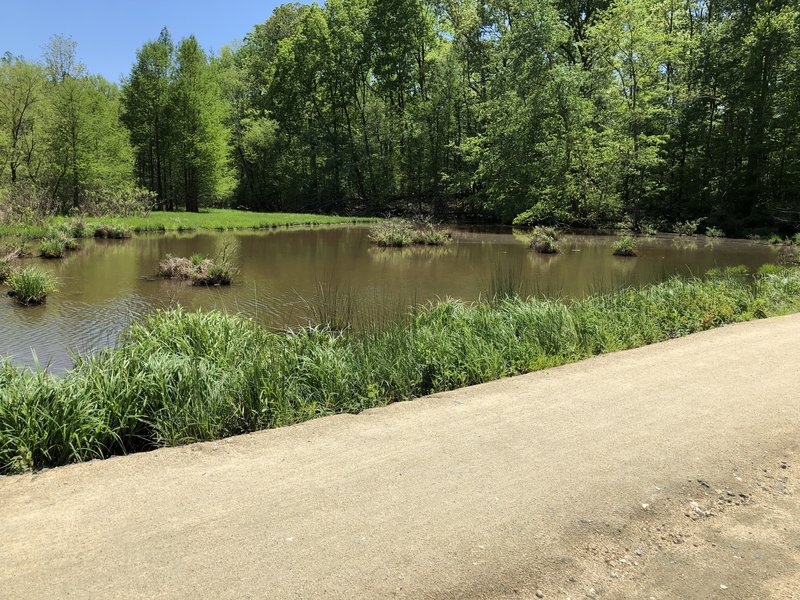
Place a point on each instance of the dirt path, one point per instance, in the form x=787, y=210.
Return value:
x=664, y=472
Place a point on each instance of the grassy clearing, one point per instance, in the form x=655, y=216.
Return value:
x=30, y=286
x=399, y=233
x=215, y=218
x=183, y=377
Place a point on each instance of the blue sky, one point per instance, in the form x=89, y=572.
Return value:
x=109, y=32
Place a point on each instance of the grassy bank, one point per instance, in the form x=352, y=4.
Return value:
x=183, y=221
x=178, y=378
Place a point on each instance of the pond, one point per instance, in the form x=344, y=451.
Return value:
x=284, y=276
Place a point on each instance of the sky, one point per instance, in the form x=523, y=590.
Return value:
x=108, y=32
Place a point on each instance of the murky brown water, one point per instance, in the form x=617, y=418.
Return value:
x=108, y=283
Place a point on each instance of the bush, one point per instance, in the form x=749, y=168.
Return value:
x=544, y=240
x=714, y=232
x=687, y=227
x=30, y=286
x=625, y=246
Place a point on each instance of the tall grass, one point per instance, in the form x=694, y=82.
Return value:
x=181, y=377
x=399, y=233
x=30, y=286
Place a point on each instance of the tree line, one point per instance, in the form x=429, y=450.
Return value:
x=568, y=111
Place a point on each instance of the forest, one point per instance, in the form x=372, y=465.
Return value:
x=573, y=112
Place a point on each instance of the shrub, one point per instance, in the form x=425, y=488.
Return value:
x=544, y=240
x=51, y=248
x=776, y=240
x=687, y=227
x=714, y=232
x=30, y=286
x=625, y=246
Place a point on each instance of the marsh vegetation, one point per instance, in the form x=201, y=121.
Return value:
x=181, y=377
x=399, y=233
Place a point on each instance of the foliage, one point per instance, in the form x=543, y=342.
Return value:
x=714, y=232
x=687, y=228
x=30, y=285
x=182, y=377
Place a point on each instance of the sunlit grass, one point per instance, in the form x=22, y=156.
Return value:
x=182, y=377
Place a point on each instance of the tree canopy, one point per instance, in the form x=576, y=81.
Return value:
x=569, y=111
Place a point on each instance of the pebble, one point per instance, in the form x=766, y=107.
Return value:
x=539, y=594
x=723, y=587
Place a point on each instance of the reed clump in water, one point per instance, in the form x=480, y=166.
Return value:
x=198, y=269
x=399, y=233
x=625, y=246
x=544, y=240
x=30, y=286
x=112, y=232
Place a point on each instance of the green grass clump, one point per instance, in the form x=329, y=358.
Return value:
x=544, y=240
x=30, y=286
x=714, y=232
x=625, y=246
x=183, y=377
x=112, y=232
x=202, y=271
x=51, y=248
x=399, y=233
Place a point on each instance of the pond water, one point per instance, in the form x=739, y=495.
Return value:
x=284, y=274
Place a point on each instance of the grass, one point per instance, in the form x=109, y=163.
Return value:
x=52, y=248
x=625, y=246
x=113, y=232
x=544, y=240
x=215, y=218
x=30, y=286
x=714, y=232
x=200, y=270
x=5, y=269
x=183, y=377
x=399, y=233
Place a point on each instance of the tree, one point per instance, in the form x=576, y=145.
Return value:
x=200, y=149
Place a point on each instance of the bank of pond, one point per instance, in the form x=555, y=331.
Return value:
x=177, y=377
x=336, y=274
